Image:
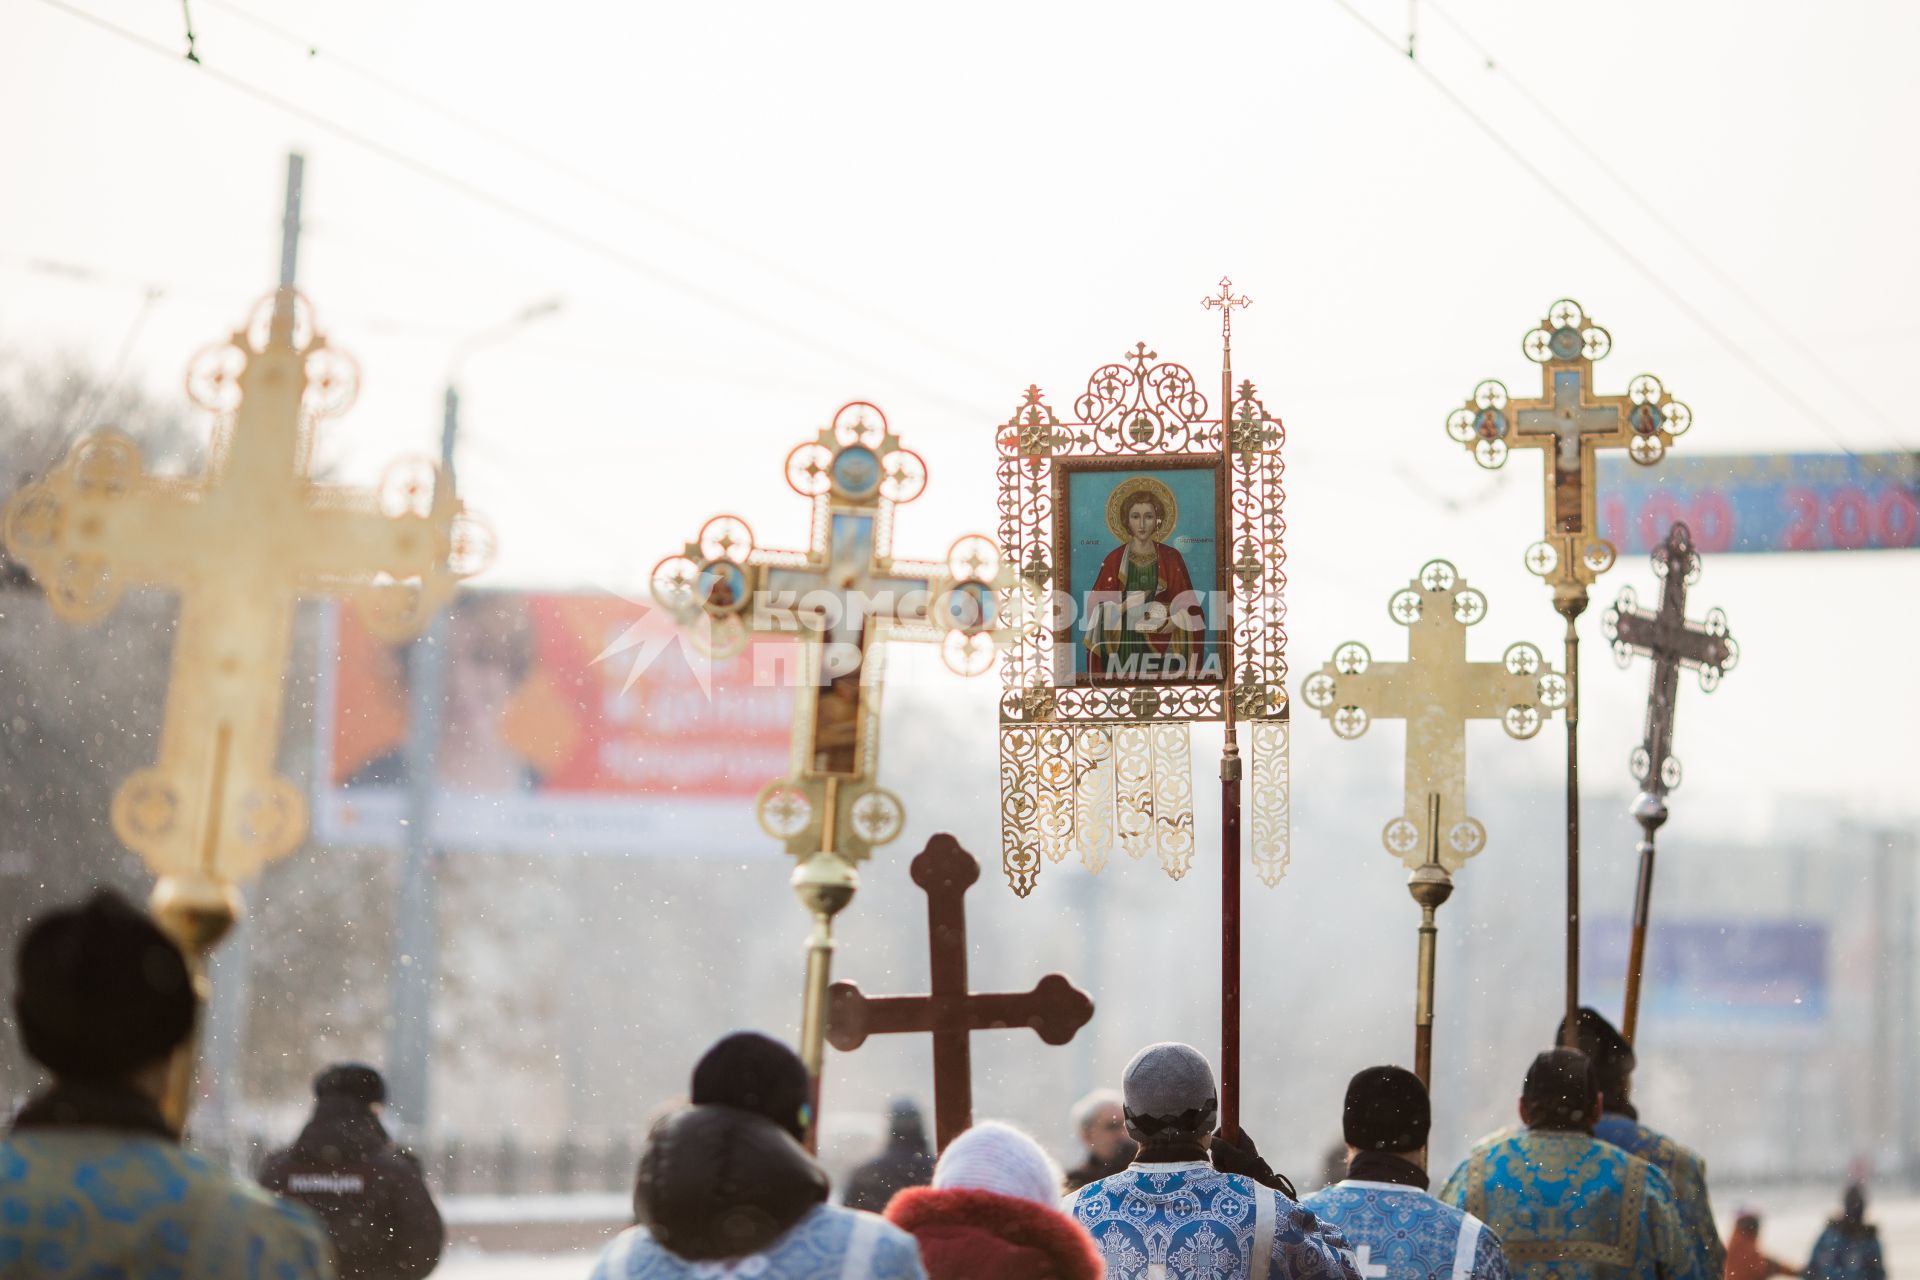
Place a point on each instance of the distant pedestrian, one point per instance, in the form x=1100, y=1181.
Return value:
x=906, y=1161
x=991, y=1213
x=1849, y=1249
x=371, y=1195
x=1100, y=1122
x=93, y=1182
x=1744, y=1259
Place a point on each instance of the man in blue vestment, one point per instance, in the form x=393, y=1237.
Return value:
x=1566, y=1205
x=93, y=1183
x=1613, y=1063
x=1172, y=1212
x=1382, y=1208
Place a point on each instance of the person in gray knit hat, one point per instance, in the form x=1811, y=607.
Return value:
x=1192, y=1200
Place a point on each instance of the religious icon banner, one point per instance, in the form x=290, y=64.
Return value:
x=1145, y=532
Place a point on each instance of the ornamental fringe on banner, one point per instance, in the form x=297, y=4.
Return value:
x=1146, y=537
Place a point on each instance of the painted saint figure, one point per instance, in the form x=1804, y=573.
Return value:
x=1143, y=617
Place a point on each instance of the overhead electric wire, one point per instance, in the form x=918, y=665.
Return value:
x=532, y=217
x=573, y=352
x=1680, y=300
x=593, y=181
x=1727, y=279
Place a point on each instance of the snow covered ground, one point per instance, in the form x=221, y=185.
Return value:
x=515, y=1266
x=1791, y=1219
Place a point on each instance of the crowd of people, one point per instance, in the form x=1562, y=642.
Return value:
x=94, y=1182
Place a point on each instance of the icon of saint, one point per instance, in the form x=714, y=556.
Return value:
x=1144, y=620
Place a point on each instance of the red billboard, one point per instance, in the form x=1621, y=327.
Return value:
x=570, y=723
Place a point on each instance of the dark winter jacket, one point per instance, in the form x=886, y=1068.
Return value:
x=1848, y=1249
x=1092, y=1169
x=371, y=1195
x=977, y=1235
x=907, y=1162
x=718, y=1182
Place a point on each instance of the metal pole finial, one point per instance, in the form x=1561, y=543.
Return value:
x=1227, y=303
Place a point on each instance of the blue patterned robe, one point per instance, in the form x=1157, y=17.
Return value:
x=1684, y=1169
x=1568, y=1206
x=829, y=1243
x=1188, y=1221
x=97, y=1204
x=1402, y=1233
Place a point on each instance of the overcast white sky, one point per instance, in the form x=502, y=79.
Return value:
x=989, y=195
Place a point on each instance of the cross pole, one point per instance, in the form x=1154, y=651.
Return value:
x=239, y=545
x=1665, y=635
x=1231, y=769
x=843, y=598
x=951, y=1012
x=1570, y=423
x=1436, y=691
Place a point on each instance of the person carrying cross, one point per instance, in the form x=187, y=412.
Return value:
x=1566, y=1205
x=1193, y=1203
x=93, y=1182
x=1382, y=1207
x=1613, y=1064
x=725, y=1188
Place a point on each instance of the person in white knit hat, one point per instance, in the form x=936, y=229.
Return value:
x=990, y=1212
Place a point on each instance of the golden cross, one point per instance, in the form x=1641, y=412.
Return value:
x=1570, y=424
x=239, y=544
x=843, y=597
x=1226, y=302
x=1436, y=691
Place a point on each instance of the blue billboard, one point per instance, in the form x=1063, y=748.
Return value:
x=1763, y=502
x=1714, y=974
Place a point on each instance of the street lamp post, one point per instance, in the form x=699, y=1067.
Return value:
x=416, y=941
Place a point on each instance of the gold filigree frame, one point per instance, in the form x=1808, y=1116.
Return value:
x=1135, y=413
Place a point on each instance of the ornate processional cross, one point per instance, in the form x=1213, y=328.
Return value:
x=843, y=598
x=239, y=545
x=1570, y=423
x=1055, y=1008
x=1665, y=635
x=1436, y=691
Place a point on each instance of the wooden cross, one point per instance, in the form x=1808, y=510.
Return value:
x=1570, y=423
x=239, y=545
x=1436, y=691
x=843, y=597
x=1672, y=642
x=1055, y=1008
x=1665, y=635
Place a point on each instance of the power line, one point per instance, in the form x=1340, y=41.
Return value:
x=593, y=181
x=1754, y=365
x=1632, y=191
x=573, y=352
x=532, y=217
